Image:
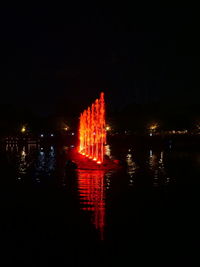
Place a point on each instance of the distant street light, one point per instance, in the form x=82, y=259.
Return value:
x=108, y=128
x=23, y=129
x=153, y=127
x=66, y=128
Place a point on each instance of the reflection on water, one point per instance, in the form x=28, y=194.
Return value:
x=22, y=164
x=30, y=157
x=108, y=151
x=96, y=188
x=108, y=176
x=45, y=163
x=131, y=167
x=156, y=165
x=92, y=196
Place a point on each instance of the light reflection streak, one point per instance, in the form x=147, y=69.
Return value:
x=131, y=167
x=22, y=167
x=156, y=164
x=108, y=151
x=46, y=162
x=92, y=196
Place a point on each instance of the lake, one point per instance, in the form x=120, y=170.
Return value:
x=146, y=211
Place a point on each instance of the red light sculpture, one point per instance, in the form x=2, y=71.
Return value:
x=92, y=133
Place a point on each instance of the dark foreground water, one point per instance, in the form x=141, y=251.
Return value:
x=146, y=212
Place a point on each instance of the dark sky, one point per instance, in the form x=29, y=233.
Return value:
x=57, y=57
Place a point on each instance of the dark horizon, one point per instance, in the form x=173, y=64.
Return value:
x=51, y=58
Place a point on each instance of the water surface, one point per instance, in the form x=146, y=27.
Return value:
x=152, y=199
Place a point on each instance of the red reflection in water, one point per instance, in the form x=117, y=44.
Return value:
x=92, y=196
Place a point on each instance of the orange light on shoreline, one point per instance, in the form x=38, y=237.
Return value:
x=92, y=131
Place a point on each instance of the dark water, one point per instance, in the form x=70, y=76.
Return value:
x=145, y=212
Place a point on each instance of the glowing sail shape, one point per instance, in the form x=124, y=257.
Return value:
x=92, y=133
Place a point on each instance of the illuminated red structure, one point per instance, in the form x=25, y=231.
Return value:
x=92, y=132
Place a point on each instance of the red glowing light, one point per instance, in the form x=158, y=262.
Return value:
x=92, y=133
x=92, y=195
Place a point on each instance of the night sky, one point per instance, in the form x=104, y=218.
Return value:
x=61, y=58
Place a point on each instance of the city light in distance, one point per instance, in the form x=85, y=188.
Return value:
x=66, y=128
x=108, y=128
x=23, y=153
x=23, y=129
x=153, y=127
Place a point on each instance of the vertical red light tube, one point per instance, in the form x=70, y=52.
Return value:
x=92, y=133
